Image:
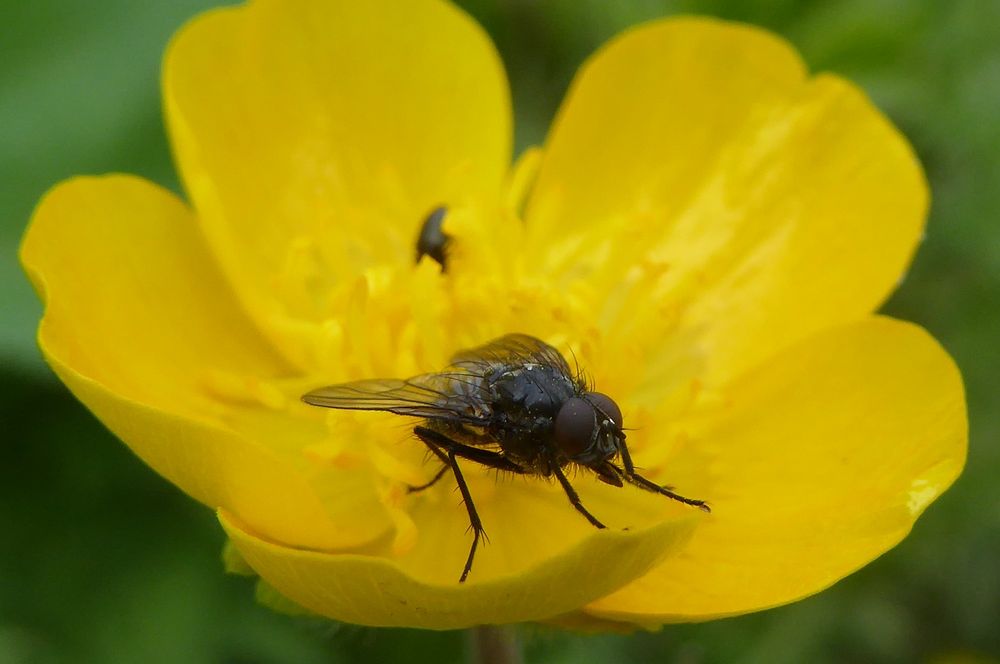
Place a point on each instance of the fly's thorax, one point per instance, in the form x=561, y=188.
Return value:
x=529, y=391
x=525, y=400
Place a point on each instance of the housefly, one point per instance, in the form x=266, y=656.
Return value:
x=512, y=404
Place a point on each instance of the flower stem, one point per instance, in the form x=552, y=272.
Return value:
x=490, y=644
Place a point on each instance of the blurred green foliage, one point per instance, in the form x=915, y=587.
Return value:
x=101, y=561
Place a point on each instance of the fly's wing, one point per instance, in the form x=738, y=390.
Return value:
x=510, y=349
x=457, y=393
x=447, y=395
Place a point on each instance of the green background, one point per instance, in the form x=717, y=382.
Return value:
x=102, y=561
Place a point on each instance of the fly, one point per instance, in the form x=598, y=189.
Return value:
x=512, y=404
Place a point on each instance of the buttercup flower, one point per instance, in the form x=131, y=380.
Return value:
x=707, y=229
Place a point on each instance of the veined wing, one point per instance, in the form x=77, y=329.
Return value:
x=446, y=395
x=456, y=393
x=510, y=349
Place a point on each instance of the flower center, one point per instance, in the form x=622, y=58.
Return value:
x=405, y=315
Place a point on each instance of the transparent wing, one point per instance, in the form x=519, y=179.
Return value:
x=458, y=393
x=446, y=395
x=510, y=349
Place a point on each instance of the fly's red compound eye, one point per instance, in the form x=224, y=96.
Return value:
x=574, y=426
x=606, y=405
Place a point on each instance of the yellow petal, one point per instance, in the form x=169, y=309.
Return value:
x=773, y=205
x=136, y=316
x=314, y=137
x=820, y=461
x=584, y=623
x=528, y=520
x=373, y=591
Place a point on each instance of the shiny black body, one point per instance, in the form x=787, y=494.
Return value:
x=526, y=400
x=517, y=413
x=514, y=405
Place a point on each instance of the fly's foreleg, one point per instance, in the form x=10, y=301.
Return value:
x=629, y=475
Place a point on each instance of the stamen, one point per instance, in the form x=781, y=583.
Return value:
x=406, y=534
x=304, y=280
x=394, y=467
x=334, y=453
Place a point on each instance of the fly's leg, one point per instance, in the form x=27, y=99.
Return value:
x=629, y=466
x=634, y=478
x=574, y=497
x=448, y=451
x=643, y=483
x=439, y=454
x=474, y=522
x=435, y=439
x=627, y=462
x=427, y=485
x=626, y=457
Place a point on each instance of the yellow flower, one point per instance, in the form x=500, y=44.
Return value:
x=707, y=229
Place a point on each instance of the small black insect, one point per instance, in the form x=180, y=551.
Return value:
x=433, y=241
x=512, y=404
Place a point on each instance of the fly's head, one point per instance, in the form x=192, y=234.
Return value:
x=588, y=429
